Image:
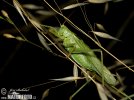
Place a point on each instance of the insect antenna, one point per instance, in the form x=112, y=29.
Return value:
x=83, y=10
x=59, y=11
x=58, y=7
x=68, y=18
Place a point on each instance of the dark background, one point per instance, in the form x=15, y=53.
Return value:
x=23, y=65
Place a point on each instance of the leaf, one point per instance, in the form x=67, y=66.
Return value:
x=43, y=41
x=36, y=24
x=74, y=6
x=4, y=13
x=45, y=13
x=117, y=0
x=75, y=72
x=8, y=35
x=70, y=78
x=126, y=61
x=19, y=9
x=98, y=1
x=99, y=26
x=130, y=96
x=101, y=92
x=19, y=38
x=45, y=94
x=13, y=37
x=2, y=18
x=32, y=6
x=102, y=1
x=105, y=35
x=106, y=8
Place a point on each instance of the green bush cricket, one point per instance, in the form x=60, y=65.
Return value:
x=81, y=53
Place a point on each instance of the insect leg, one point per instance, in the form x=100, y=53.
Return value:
x=101, y=54
x=77, y=91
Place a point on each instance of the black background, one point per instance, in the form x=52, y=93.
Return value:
x=23, y=65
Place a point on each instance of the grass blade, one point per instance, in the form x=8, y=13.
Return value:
x=101, y=92
x=32, y=6
x=19, y=9
x=43, y=41
x=105, y=35
x=70, y=78
x=98, y=1
x=74, y=6
x=45, y=94
x=100, y=26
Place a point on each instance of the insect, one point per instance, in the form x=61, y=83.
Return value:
x=81, y=53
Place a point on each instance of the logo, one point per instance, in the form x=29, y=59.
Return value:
x=3, y=91
x=22, y=94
